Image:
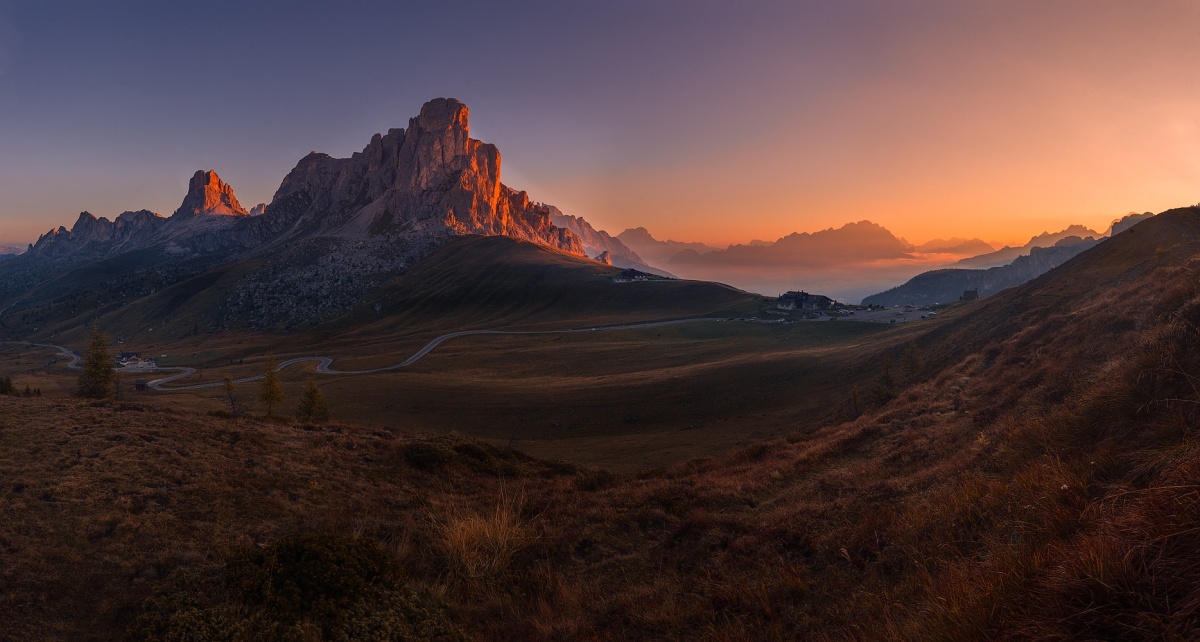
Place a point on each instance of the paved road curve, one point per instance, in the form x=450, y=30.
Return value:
x=324, y=363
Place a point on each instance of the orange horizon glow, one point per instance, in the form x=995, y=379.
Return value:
x=935, y=119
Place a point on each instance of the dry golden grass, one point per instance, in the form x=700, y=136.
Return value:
x=479, y=544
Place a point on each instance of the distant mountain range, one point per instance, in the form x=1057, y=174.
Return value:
x=954, y=245
x=640, y=240
x=861, y=241
x=948, y=285
x=602, y=246
x=847, y=262
x=335, y=229
x=1007, y=254
x=994, y=271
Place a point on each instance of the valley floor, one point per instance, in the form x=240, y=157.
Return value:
x=625, y=400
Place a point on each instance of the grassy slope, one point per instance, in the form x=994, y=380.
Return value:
x=1035, y=481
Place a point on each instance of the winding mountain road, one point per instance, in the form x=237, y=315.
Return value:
x=324, y=364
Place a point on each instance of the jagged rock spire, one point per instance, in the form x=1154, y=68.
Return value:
x=209, y=195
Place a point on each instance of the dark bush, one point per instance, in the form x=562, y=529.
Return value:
x=305, y=587
x=427, y=455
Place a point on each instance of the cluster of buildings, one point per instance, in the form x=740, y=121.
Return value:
x=629, y=274
x=134, y=360
x=805, y=301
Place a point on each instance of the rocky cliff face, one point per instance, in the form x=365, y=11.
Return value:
x=96, y=237
x=208, y=195
x=427, y=181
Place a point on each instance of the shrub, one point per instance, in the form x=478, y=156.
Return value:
x=427, y=455
x=305, y=587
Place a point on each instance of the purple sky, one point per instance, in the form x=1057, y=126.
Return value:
x=716, y=121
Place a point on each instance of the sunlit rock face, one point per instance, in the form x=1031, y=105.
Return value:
x=208, y=195
x=410, y=189
x=431, y=179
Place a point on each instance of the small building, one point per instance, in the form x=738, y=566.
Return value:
x=805, y=301
x=629, y=274
x=140, y=385
x=970, y=295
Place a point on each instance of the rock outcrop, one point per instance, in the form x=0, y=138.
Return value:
x=97, y=237
x=208, y=195
x=427, y=181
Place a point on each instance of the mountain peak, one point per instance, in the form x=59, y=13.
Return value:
x=208, y=195
x=443, y=114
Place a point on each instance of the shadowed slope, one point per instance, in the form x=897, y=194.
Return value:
x=487, y=281
x=472, y=282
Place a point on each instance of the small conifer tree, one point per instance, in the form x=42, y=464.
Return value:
x=312, y=404
x=886, y=384
x=96, y=379
x=913, y=363
x=271, y=394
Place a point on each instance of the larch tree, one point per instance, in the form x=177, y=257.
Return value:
x=312, y=404
x=98, y=375
x=233, y=411
x=271, y=394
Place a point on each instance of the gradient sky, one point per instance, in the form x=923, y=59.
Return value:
x=701, y=120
